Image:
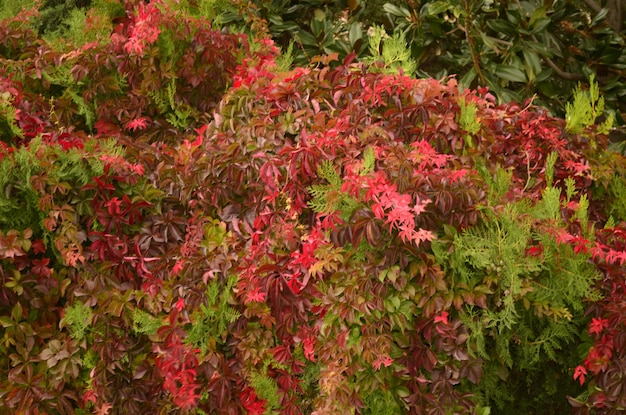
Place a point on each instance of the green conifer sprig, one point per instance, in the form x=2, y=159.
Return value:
x=8, y=122
x=176, y=113
x=617, y=188
x=498, y=183
x=585, y=108
x=145, y=323
x=285, y=60
x=491, y=391
x=210, y=324
x=84, y=108
x=218, y=12
x=78, y=319
x=328, y=198
x=266, y=388
x=468, y=118
x=380, y=402
x=392, y=51
x=550, y=164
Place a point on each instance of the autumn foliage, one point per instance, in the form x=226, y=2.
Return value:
x=185, y=228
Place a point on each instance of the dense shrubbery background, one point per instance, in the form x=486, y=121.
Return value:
x=188, y=224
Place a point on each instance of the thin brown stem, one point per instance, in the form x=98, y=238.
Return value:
x=569, y=76
x=472, y=45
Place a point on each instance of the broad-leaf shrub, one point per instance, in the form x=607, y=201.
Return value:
x=76, y=334
x=159, y=71
x=440, y=257
x=70, y=264
x=333, y=240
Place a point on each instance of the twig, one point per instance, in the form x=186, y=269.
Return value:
x=472, y=45
x=570, y=76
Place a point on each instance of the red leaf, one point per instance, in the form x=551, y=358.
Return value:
x=140, y=123
x=579, y=374
x=597, y=325
x=442, y=318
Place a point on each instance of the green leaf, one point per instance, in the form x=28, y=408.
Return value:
x=6, y=321
x=317, y=28
x=539, y=48
x=396, y=11
x=489, y=42
x=306, y=38
x=533, y=63
x=467, y=79
x=438, y=7
x=539, y=14
x=275, y=19
x=402, y=391
x=319, y=15
x=513, y=15
x=611, y=55
x=506, y=95
x=502, y=26
x=16, y=312
x=587, y=71
x=355, y=34
x=599, y=18
x=284, y=27
x=539, y=26
x=511, y=73
x=544, y=75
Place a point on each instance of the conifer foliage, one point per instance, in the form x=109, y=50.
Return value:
x=185, y=228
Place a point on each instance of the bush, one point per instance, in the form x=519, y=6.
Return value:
x=339, y=238
x=517, y=49
x=444, y=240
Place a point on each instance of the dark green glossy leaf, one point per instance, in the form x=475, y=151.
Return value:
x=540, y=48
x=599, y=17
x=306, y=38
x=539, y=14
x=491, y=42
x=502, y=26
x=544, y=75
x=438, y=7
x=540, y=25
x=355, y=34
x=533, y=63
x=396, y=10
x=510, y=73
x=318, y=28
x=468, y=78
